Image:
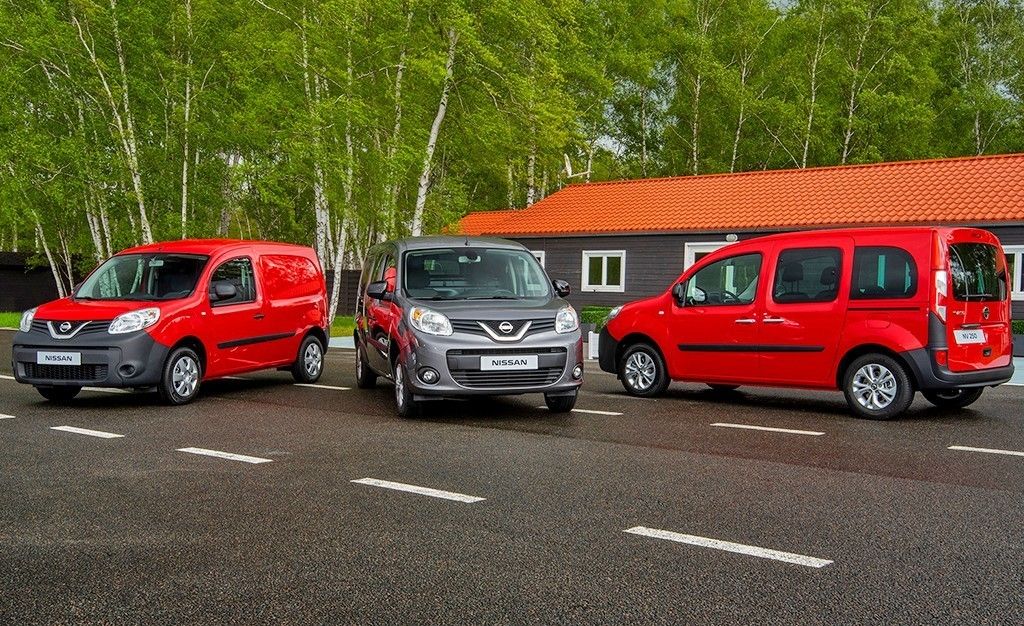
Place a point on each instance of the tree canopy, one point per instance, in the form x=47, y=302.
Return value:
x=339, y=123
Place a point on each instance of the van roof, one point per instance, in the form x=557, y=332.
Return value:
x=454, y=241
x=210, y=246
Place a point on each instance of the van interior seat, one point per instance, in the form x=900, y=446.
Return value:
x=792, y=275
x=829, y=282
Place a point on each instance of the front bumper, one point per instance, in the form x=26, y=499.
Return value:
x=130, y=360
x=930, y=375
x=456, y=358
x=606, y=349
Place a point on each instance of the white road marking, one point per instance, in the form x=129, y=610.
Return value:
x=225, y=455
x=4, y=416
x=988, y=450
x=331, y=387
x=423, y=491
x=86, y=431
x=728, y=546
x=6, y=377
x=791, y=431
x=592, y=411
x=619, y=396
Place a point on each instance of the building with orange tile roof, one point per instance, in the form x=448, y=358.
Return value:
x=620, y=240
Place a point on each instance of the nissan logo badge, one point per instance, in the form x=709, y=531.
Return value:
x=66, y=326
x=985, y=313
x=505, y=327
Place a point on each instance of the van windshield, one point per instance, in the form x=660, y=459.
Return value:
x=143, y=277
x=474, y=274
x=976, y=274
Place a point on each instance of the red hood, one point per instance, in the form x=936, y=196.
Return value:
x=68, y=310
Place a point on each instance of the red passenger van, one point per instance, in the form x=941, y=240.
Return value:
x=876, y=313
x=171, y=315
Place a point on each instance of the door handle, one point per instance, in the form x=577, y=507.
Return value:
x=746, y=320
x=258, y=316
x=774, y=320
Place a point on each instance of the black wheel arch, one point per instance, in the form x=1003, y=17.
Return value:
x=873, y=348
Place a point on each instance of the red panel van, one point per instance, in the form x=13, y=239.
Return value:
x=171, y=315
x=876, y=313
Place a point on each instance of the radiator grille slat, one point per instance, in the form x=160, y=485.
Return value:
x=78, y=373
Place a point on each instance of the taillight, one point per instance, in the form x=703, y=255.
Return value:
x=942, y=357
x=941, y=293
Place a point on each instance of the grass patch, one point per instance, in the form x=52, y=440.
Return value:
x=10, y=320
x=343, y=326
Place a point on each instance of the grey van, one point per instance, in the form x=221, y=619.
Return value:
x=460, y=316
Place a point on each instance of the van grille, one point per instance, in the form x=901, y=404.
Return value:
x=484, y=380
x=89, y=328
x=83, y=373
x=472, y=327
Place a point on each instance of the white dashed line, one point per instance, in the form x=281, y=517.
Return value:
x=331, y=387
x=86, y=431
x=987, y=450
x=6, y=377
x=423, y=491
x=591, y=411
x=225, y=455
x=4, y=416
x=770, y=429
x=728, y=546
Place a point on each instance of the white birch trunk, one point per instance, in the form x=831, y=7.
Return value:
x=391, y=214
x=339, y=256
x=187, y=113
x=531, y=165
x=819, y=51
x=416, y=227
x=41, y=240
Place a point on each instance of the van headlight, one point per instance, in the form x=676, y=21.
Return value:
x=133, y=321
x=566, y=321
x=26, y=320
x=613, y=313
x=430, y=322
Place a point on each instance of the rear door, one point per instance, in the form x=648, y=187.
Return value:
x=979, y=316
x=714, y=335
x=292, y=299
x=803, y=313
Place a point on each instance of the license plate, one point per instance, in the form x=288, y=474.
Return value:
x=516, y=362
x=58, y=358
x=967, y=337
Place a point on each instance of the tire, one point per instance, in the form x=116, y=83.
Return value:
x=560, y=404
x=877, y=387
x=642, y=371
x=309, y=362
x=953, y=398
x=405, y=405
x=59, y=395
x=722, y=388
x=181, y=378
x=365, y=378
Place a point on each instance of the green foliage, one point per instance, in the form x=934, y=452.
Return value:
x=596, y=315
x=310, y=122
x=1018, y=327
x=10, y=320
x=343, y=326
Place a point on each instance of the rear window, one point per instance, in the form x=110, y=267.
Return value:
x=975, y=272
x=883, y=272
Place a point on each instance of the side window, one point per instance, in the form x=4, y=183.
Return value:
x=807, y=275
x=727, y=282
x=883, y=272
x=238, y=273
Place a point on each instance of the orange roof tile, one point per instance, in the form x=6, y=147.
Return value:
x=974, y=189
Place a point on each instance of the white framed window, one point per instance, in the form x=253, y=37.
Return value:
x=604, y=270
x=539, y=255
x=693, y=252
x=1015, y=259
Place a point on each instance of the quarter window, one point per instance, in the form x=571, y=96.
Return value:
x=604, y=270
x=238, y=273
x=807, y=275
x=730, y=281
x=883, y=272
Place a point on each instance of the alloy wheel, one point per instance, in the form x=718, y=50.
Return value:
x=313, y=359
x=399, y=385
x=185, y=376
x=874, y=386
x=640, y=371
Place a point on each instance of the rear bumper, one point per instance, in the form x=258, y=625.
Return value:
x=930, y=375
x=131, y=360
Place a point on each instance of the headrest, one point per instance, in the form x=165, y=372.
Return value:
x=828, y=276
x=792, y=272
x=418, y=278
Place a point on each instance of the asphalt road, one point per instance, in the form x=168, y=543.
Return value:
x=879, y=523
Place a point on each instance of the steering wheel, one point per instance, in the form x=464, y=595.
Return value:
x=729, y=297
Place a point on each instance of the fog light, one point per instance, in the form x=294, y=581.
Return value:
x=577, y=372
x=429, y=375
x=127, y=371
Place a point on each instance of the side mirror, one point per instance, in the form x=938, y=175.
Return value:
x=562, y=288
x=679, y=293
x=223, y=290
x=378, y=290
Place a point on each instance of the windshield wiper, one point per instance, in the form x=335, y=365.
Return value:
x=496, y=298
